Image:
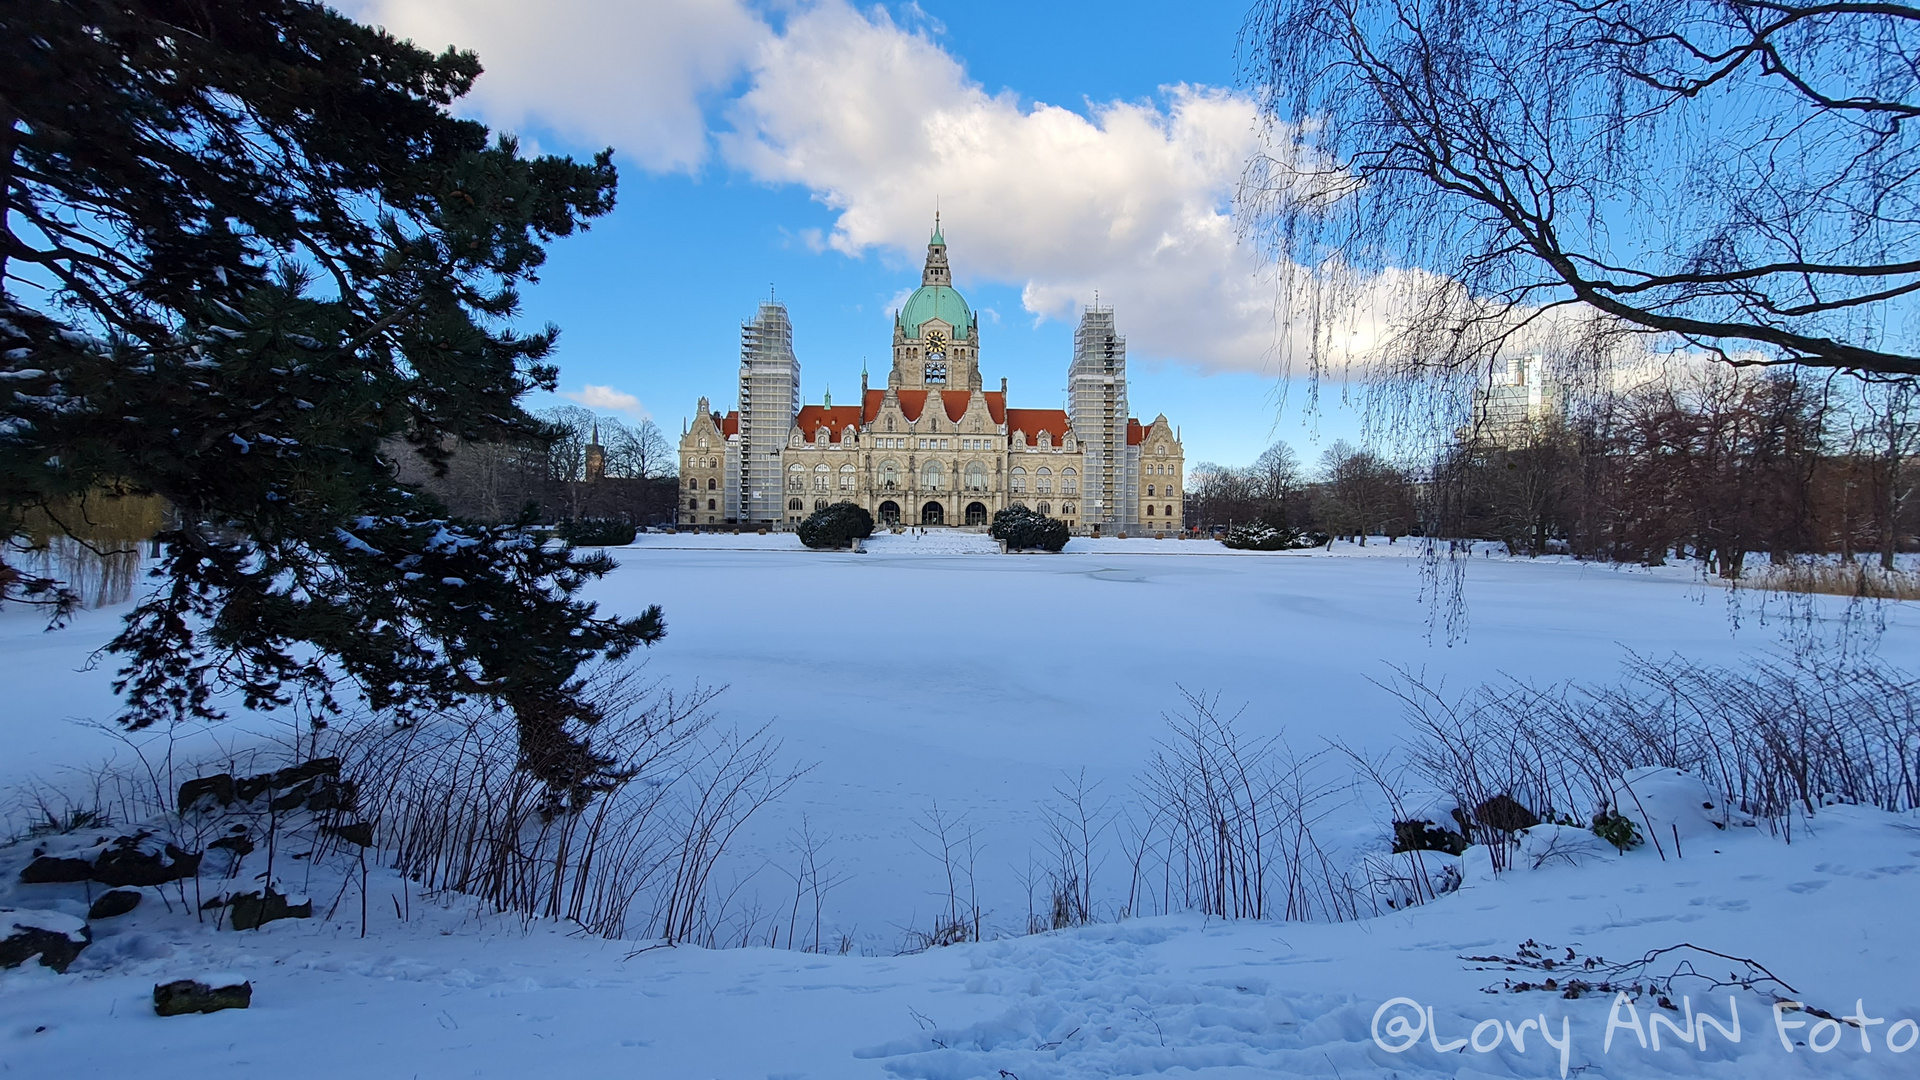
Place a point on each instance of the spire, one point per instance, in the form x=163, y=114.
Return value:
x=936, y=272
x=829, y=402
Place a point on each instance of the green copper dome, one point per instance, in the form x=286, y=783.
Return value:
x=936, y=302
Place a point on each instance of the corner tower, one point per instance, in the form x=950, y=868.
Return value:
x=936, y=340
x=1097, y=403
x=769, y=400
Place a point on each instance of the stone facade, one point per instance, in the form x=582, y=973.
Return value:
x=935, y=447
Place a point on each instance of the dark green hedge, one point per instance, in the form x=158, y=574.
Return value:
x=836, y=527
x=1025, y=529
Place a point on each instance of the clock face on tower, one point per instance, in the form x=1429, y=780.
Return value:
x=936, y=345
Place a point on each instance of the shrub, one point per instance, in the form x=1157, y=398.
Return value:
x=1260, y=536
x=1022, y=528
x=596, y=532
x=837, y=526
x=1617, y=829
x=1426, y=836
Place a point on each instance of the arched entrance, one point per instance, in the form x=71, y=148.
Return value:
x=933, y=514
x=976, y=513
x=890, y=513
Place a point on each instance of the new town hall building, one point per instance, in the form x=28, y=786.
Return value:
x=935, y=447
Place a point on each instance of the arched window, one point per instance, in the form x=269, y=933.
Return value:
x=693, y=504
x=889, y=476
x=1044, y=485
x=846, y=478
x=1066, y=509
x=1149, y=509
x=796, y=477
x=713, y=463
x=1046, y=439
x=822, y=481
x=1018, y=482
x=1020, y=439
x=710, y=505
x=1069, y=482
x=1167, y=510
x=1044, y=508
x=819, y=504
x=797, y=439
x=823, y=436
x=976, y=477
x=795, y=504
x=712, y=484
x=1160, y=450
x=932, y=476
x=1149, y=491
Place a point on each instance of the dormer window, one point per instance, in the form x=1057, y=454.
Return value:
x=1046, y=439
x=823, y=436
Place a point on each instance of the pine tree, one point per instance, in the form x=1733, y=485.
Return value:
x=247, y=252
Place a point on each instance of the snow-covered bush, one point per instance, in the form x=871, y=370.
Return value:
x=1260, y=536
x=836, y=526
x=1028, y=530
x=1257, y=537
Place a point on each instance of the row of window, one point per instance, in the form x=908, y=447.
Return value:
x=1168, y=490
x=1165, y=511
x=693, y=484
x=694, y=504
x=1154, y=469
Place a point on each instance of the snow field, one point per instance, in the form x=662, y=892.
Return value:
x=915, y=675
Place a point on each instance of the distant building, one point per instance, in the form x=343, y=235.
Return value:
x=935, y=447
x=1516, y=403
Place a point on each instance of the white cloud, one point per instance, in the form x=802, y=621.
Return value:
x=632, y=75
x=607, y=399
x=1131, y=198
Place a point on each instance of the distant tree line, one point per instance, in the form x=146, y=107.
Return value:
x=552, y=470
x=1715, y=465
x=1356, y=493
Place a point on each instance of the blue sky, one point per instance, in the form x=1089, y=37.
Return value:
x=801, y=147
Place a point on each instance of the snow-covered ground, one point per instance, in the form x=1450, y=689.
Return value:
x=925, y=672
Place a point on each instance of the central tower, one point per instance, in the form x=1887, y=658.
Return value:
x=936, y=340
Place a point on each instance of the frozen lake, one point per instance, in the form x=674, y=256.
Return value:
x=913, y=675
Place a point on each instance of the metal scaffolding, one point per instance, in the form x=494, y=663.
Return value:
x=1097, y=408
x=769, y=401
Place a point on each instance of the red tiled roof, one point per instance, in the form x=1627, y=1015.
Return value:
x=1034, y=421
x=1135, y=433
x=730, y=425
x=837, y=419
x=914, y=402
